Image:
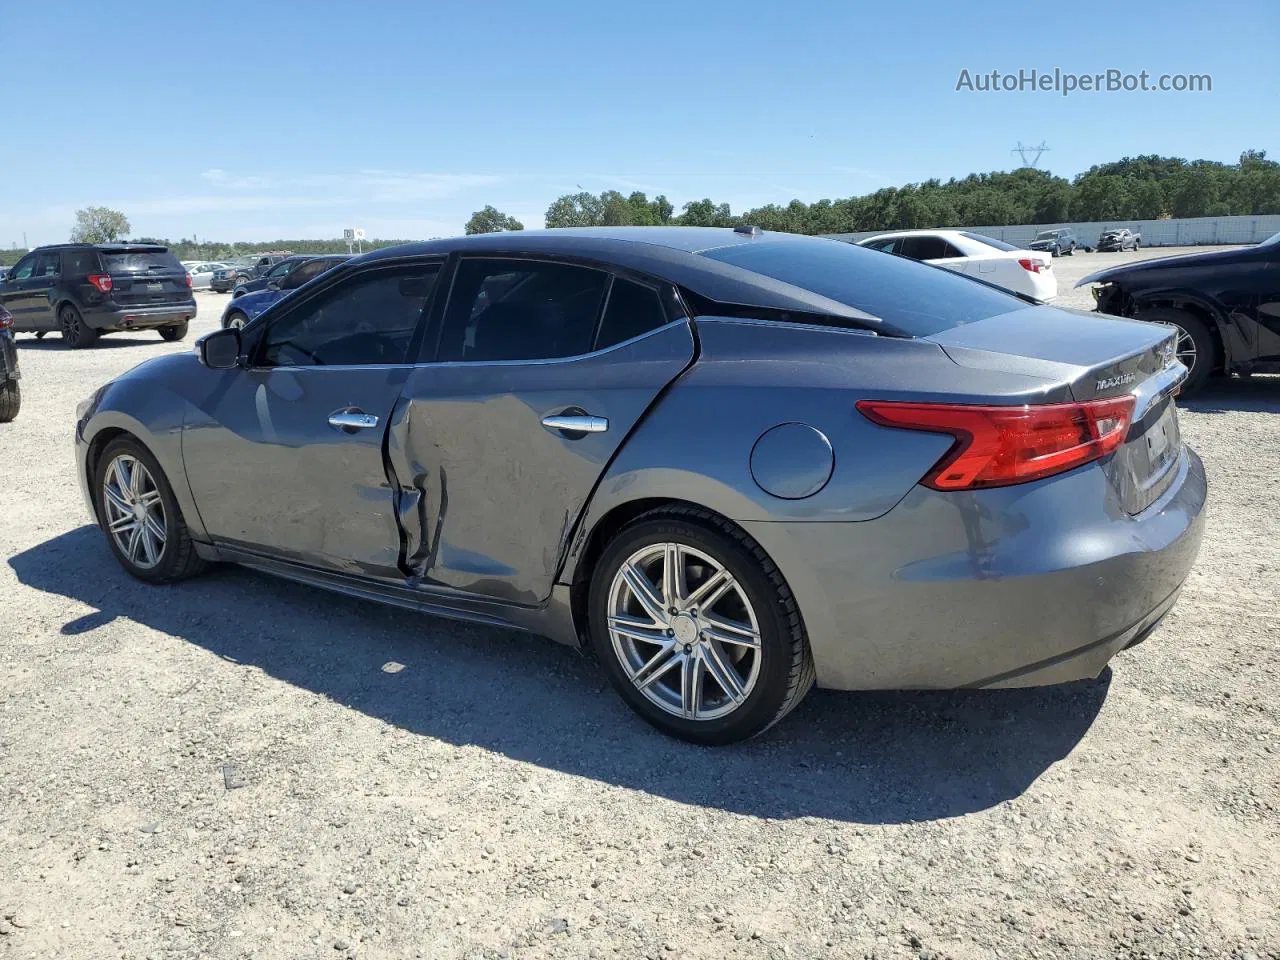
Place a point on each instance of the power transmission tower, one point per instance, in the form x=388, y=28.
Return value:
x=1023, y=151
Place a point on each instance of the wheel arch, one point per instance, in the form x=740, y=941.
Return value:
x=1199, y=307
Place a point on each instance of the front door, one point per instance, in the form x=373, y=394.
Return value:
x=542, y=370
x=25, y=294
x=285, y=457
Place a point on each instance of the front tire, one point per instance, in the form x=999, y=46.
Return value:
x=140, y=515
x=175, y=332
x=697, y=629
x=236, y=319
x=1196, y=346
x=10, y=400
x=76, y=334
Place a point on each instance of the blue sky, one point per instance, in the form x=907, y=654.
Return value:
x=262, y=121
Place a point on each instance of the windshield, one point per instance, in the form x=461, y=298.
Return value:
x=1273, y=240
x=989, y=241
x=140, y=261
x=917, y=298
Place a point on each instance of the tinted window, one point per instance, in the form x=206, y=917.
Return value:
x=927, y=248
x=914, y=298
x=304, y=272
x=990, y=241
x=282, y=268
x=632, y=309
x=47, y=265
x=79, y=263
x=520, y=310
x=884, y=246
x=140, y=261
x=369, y=319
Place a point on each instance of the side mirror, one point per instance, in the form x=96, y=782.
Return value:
x=220, y=350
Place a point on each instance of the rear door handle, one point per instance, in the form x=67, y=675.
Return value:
x=352, y=420
x=576, y=424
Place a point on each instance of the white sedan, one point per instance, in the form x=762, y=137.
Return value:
x=201, y=272
x=1022, y=271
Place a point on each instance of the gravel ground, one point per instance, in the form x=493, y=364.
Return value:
x=240, y=767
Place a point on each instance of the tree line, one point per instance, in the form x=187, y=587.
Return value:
x=1134, y=188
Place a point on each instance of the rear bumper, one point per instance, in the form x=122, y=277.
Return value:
x=221, y=286
x=1017, y=586
x=140, y=318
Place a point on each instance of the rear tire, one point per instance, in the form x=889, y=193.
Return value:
x=76, y=334
x=175, y=332
x=174, y=557
x=10, y=400
x=1196, y=345
x=772, y=669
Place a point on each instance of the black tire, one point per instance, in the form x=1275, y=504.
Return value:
x=1206, y=355
x=10, y=400
x=175, y=332
x=178, y=559
x=233, y=316
x=786, y=671
x=76, y=334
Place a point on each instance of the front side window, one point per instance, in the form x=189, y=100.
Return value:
x=520, y=310
x=281, y=269
x=369, y=319
x=25, y=267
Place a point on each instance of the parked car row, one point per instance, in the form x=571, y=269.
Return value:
x=201, y=272
x=243, y=269
x=252, y=298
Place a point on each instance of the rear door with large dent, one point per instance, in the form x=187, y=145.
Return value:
x=539, y=371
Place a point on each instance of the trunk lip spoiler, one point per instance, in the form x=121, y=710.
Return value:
x=1156, y=388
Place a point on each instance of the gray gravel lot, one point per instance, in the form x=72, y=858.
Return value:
x=238, y=767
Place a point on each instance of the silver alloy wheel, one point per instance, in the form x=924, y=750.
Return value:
x=684, y=631
x=1185, y=348
x=236, y=322
x=135, y=511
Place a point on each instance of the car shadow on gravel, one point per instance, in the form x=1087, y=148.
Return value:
x=1257, y=394
x=113, y=341
x=869, y=758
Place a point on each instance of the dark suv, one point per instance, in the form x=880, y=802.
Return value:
x=85, y=290
x=1057, y=243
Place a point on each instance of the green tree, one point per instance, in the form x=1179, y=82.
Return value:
x=491, y=220
x=99, y=225
x=575, y=210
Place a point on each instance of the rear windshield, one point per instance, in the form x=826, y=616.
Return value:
x=989, y=241
x=915, y=297
x=140, y=261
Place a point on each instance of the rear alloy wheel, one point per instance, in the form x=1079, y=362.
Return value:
x=175, y=332
x=76, y=334
x=236, y=319
x=142, y=520
x=10, y=400
x=697, y=629
x=1196, y=348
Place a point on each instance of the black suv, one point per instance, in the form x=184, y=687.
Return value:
x=10, y=394
x=84, y=290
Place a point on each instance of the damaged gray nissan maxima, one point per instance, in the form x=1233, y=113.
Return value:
x=734, y=464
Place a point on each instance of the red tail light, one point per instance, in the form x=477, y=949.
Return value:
x=1035, y=266
x=1000, y=446
x=6, y=319
x=188, y=279
x=100, y=281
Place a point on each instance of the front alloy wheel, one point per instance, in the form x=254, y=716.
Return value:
x=135, y=516
x=696, y=627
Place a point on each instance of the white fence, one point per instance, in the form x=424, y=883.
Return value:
x=1195, y=231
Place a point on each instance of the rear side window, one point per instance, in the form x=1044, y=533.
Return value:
x=990, y=241
x=928, y=248
x=141, y=261
x=520, y=310
x=632, y=309
x=913, y=297
x=79, y=263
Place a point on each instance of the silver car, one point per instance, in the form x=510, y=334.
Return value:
x=732, y=463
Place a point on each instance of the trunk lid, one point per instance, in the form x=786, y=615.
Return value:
x=1093, y=357
x=145, y=276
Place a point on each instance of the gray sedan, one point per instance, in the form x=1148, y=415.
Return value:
x=732, y=463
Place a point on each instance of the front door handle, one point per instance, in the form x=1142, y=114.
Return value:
x=350, y=421
x=568, y=424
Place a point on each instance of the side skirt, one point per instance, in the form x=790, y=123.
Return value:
x=553, y=619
